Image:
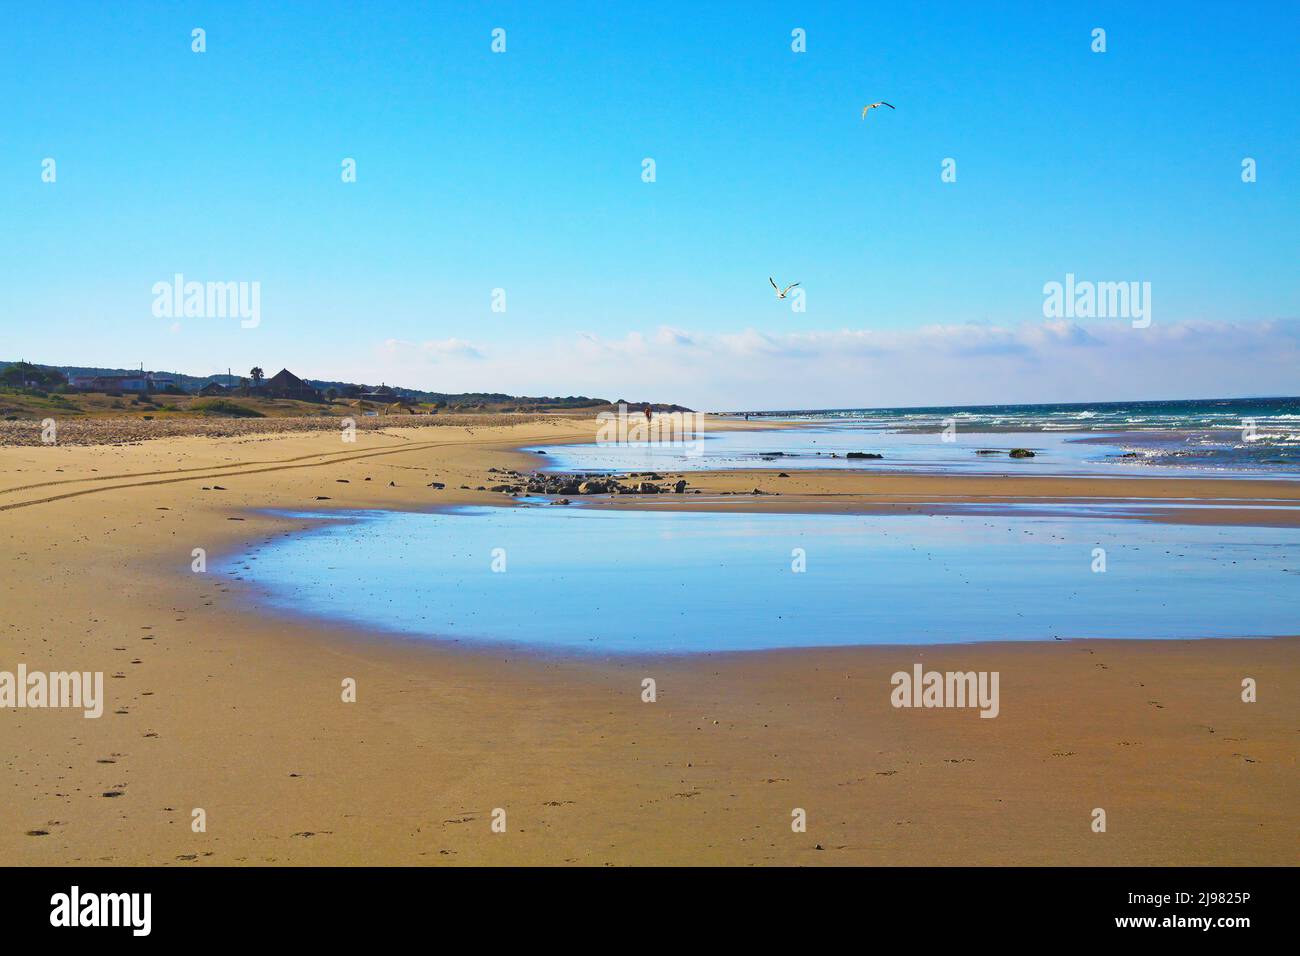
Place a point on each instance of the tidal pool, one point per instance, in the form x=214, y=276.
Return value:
x=588, y=580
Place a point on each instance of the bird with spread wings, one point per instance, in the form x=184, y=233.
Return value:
x=781, y=293
x=871, y=106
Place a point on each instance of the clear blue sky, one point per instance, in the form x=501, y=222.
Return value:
x=523, y=171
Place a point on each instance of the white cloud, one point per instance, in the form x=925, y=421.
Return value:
x=1045, y=361
x=449, y=348
x=432, y=350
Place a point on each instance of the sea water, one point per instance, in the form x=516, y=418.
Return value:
x=1208, y=438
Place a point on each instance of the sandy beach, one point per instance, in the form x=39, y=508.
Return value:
x=213, y=704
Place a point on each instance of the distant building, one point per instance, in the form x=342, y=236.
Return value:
x=135, y=382
x=284, y=384
x=118, y=383
x=213, y=388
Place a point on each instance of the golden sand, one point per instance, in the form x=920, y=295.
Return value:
x=212, y=705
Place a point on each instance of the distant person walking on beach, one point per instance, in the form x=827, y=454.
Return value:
x=647, y=413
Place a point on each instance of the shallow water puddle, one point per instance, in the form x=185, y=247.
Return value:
x=588, y=580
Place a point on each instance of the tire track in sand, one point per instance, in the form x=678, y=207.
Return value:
x=235, y=471
x=179, y=471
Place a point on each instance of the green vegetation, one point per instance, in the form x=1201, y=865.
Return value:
x=224, y=406
x=20, y=374
x=16, y=403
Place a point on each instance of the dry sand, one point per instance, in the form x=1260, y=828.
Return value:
x=212, y=705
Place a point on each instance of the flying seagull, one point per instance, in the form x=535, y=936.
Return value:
x=871, y=106
x=781, y=293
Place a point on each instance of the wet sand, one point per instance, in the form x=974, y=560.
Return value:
x=1268, y=503
x=213, y=705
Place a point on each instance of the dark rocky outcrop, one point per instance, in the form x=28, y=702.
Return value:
x=568, y=486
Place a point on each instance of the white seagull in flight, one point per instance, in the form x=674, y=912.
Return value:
x=780, y=293
x=871, y=106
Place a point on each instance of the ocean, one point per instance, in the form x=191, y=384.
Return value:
x=1278, y=418
x=1234, y=437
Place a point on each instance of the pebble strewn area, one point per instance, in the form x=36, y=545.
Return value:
x=129, y=431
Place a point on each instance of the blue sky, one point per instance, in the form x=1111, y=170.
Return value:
x=522, y=171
